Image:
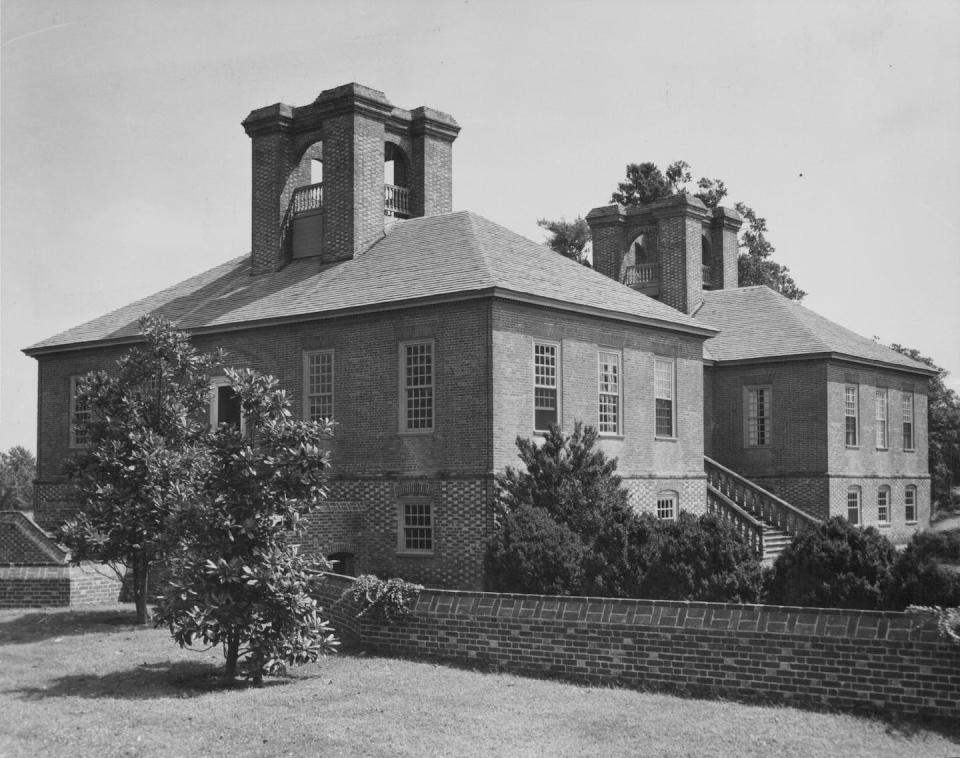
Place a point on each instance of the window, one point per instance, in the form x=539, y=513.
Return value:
x=79, y=416
x=853, y=505
x=883, y=505
x=664, y=391
x=225, y=405
x=758, y=415
x=881, y=416
x=910, y=504
x=667, y=506
x=850, y=404
x=907, y=414
x=544, y=386
x=417, y=375
x=416, y=526
x=608, y=380
x=318, y=385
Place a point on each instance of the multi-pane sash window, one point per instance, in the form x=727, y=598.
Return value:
x=417, y=378
x=608, y=380
x=883, y=505
x=79, y=416
x=907, y=413
x=318, y=385
x=759, y=427
x=850, y=405
x=225, y=405
x=881, y=417
x=544, y=386
x=853, y=505
x=664, y=391
x=667, y=506
x=910, y=504
x=416, y=526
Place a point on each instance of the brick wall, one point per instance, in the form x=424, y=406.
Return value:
x=852, y=660
x=39, y=586
x=22, y=542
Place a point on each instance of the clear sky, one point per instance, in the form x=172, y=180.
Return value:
x=125, y=169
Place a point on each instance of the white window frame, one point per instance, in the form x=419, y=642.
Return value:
x=667, y=505
x=855, y=390
x=215, y=384
x=322, y=396
x=857, y=501
x=671, y=364
x=752, y=417
x=403, y=525
x=540, y=384
x=908, y=420
x=77, y=439
x=609, y=392
x=910, y=502
x=883, y=505
x=406, y=387
x=881, y=417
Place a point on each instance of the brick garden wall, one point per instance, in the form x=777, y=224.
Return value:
x=39, y=586
x=853, y=660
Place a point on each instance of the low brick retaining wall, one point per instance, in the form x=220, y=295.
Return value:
x=853, y=660
x=38, y=586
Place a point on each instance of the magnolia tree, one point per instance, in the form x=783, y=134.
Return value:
x=238, y=578
x=145, y=458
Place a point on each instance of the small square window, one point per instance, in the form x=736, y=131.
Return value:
x=667, y=506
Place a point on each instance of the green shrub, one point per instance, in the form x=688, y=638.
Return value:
x=920, y=576
x=835, y=566
x=699, y=559
x=533, y=554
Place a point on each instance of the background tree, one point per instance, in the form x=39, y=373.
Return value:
x=943, y=430
x=237, y=578
x=569, y=238
x=926, y=571
x=143, y=463
x=646, y=183
x=18, y=468
x=837, y=565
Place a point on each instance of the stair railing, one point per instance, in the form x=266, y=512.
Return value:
x=745, y=525
x=758, y=502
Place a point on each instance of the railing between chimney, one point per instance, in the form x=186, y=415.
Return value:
x=309, y=198
x=396, y=201
x=644, y=273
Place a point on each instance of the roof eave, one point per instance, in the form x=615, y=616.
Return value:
x=499, y=292
x=825, y=355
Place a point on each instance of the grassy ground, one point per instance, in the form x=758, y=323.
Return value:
x=88, y=683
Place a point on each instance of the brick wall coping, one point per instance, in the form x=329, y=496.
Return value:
x=35, y=535
x=674, y=614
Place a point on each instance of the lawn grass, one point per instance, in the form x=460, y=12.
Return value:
x=89, y=683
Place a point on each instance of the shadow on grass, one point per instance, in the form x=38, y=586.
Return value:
x=166, y=679
x=34, y=626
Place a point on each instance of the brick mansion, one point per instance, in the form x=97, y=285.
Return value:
x=436, y=337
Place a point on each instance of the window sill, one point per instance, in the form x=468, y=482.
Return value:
x=852, y=447
x=883, y=524
x=415, y=553
x=911, y=523
x=664, y=439
x=610, y=436
x=909, y=450
x=415, y=432
x=882, y=449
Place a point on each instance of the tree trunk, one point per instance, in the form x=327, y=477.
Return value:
x=233, y=652
x=140, y=577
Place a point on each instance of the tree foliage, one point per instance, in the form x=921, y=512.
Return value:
x=144, y=462
x=943, y=429
x=837, y=565
x=569, y=238
x=238, y=578
x=925, y=572
x=646, y=183
x=18, y=468
x=564, y=527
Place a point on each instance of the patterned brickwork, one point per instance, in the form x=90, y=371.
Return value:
x=897, y=528
x=690, y=491
x=23, y=542
x=853, y=660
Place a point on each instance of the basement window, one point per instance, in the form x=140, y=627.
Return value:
x=853, y=506
x=416, y=526
x=667, y=505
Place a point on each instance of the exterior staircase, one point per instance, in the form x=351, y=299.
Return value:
x=768, y=522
